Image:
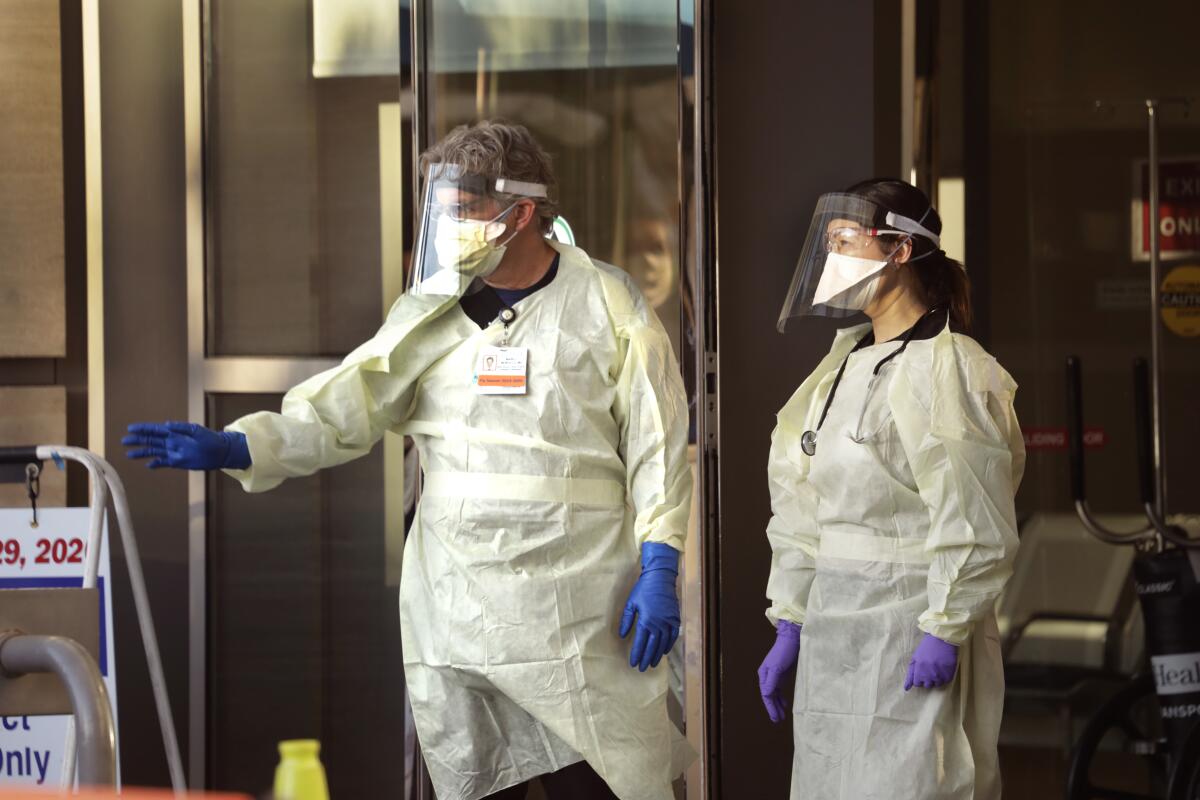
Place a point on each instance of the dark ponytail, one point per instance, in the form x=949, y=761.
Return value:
x=943, y=280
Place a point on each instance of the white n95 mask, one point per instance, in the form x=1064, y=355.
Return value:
x=469, y=246
x=848, y=282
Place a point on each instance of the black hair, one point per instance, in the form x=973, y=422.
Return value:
x=943, y=280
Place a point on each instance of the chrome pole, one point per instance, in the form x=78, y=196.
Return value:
x=1159, y=446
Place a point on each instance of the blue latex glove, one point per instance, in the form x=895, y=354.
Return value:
x=654, y=603
x=186, y=445
x=932, y=665
x=778, y=664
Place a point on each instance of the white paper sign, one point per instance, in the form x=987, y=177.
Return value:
x=50, y=556
x=1176, y=674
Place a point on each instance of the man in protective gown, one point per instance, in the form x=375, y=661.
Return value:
x=551, y=420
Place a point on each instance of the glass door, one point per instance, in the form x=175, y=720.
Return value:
x=606, y=87
x=1057, y=233
x=297, y=158
x=1079, y=285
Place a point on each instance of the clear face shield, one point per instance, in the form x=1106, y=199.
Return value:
x=463, y=228
x=849, y=243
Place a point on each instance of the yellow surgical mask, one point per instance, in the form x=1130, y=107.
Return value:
x=469, y=246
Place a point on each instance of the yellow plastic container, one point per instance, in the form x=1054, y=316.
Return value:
x=300, y=775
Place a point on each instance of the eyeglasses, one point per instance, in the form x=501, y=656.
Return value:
x=479, y=208
x=853, y=240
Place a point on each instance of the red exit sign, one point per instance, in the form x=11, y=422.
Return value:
x=1178, y=204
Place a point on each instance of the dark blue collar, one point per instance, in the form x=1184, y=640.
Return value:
x=484, y=305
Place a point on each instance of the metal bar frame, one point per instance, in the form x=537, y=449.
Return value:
x=105, y=483
x=908, y=82
x=422, y=787
x=1156, y=399
x=704, y=259
x=1159, y=530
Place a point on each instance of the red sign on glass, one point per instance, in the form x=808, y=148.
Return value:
x=1179, y=208
x=1057, y=439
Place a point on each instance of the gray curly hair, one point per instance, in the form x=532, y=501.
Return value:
x=499, y=149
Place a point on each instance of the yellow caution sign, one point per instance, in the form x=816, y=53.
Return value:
x=1180, y=300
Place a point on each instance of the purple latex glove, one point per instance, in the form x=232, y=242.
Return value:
x=932, y=665
x=779, y=663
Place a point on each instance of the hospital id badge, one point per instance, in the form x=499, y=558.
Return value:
x=501, y=370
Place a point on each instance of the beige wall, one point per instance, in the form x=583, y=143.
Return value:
x=32, y=295
x=33, y=415
x=43, y=322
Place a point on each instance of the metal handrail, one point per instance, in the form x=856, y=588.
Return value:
x=106, y=483
x=22, y=654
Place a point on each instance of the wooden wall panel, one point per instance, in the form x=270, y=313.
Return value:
x=32, y=289
x=31, y=415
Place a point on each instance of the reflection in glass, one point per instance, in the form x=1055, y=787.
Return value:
x=303, y=637
x=293, y=176
x=1051, y=187
x=596, y=83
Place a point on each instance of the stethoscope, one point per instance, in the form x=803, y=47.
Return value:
x=808, y=440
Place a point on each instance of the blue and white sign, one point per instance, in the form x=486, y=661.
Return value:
x=50, y=556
